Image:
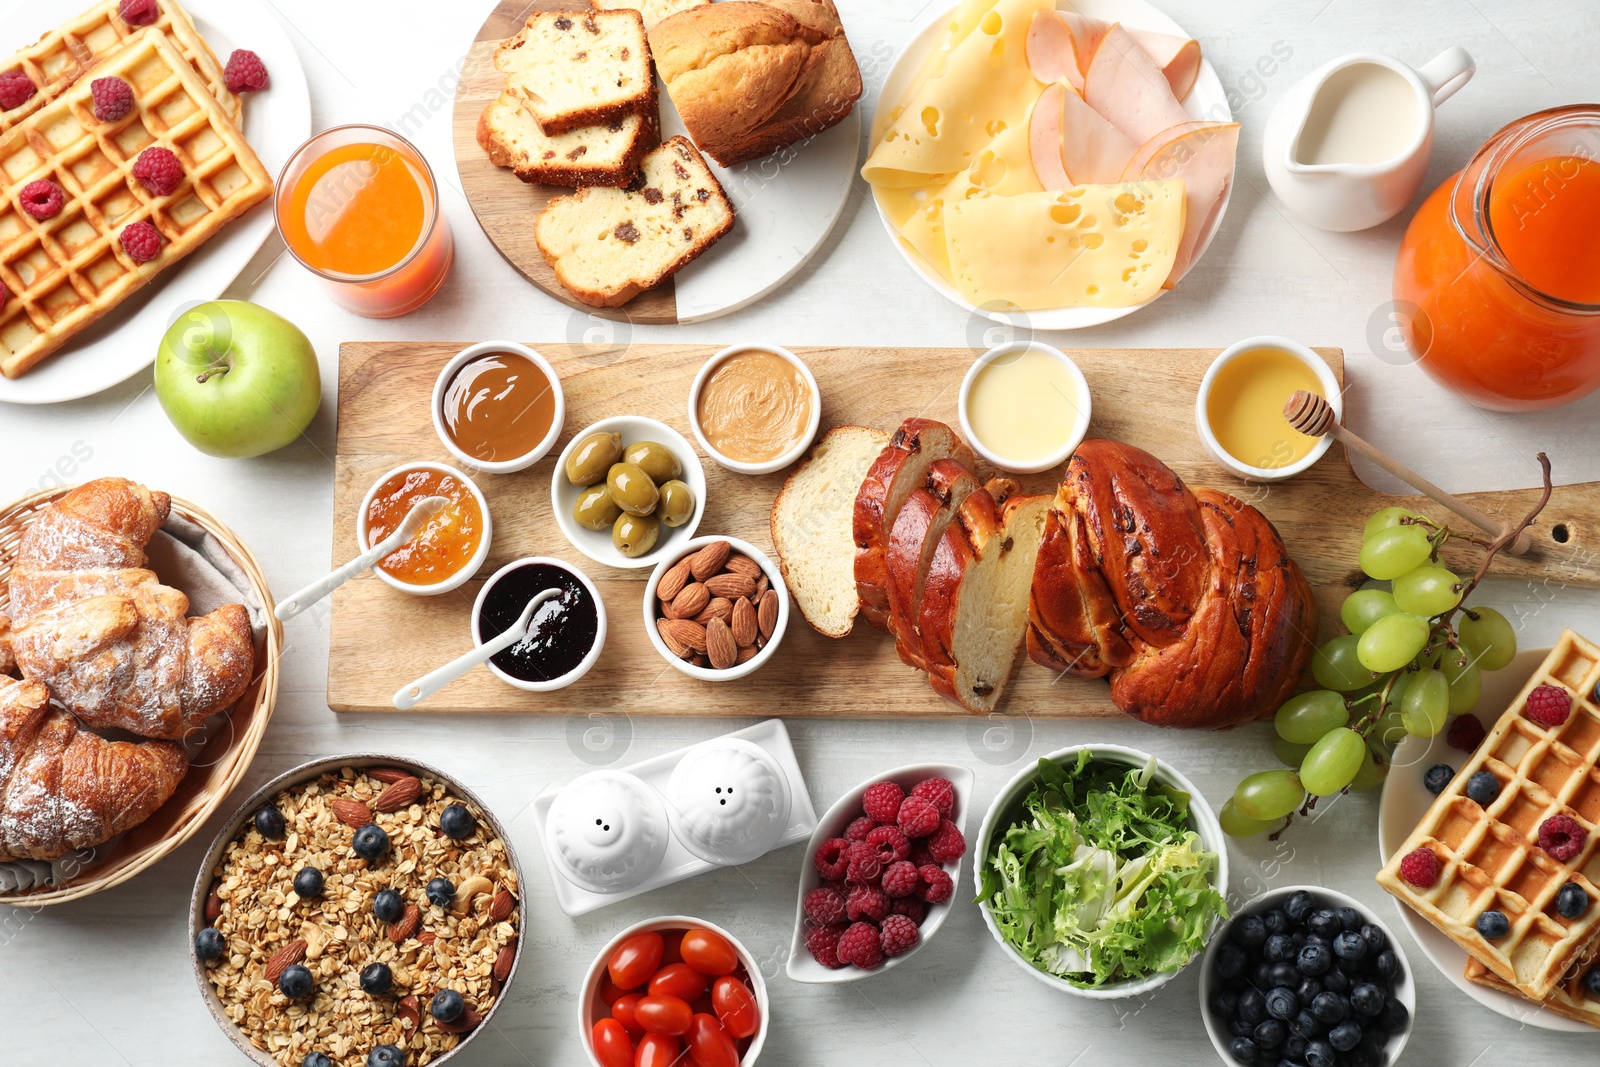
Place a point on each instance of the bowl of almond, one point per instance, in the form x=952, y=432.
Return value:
x=717, y=610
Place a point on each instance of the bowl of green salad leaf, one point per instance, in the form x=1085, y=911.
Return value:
x=1101, y=871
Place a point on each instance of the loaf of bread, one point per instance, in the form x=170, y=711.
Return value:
x=917, y=531
x=578, y=68
x=652, y=10
x=606, y=154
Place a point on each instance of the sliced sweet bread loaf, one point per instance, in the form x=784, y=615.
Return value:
x=579, y=68
x=607, y=154
x=917, y=531
x=652, y=10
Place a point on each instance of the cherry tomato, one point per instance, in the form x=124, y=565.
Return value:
x=709, y=953
x=635, y=960
x=608, y=989
x=623, y=1011
x=656, y=1050
x=736, y=1006
x=673, y=951
x=664, y=1015
x=710, y=1044
x=612, y=1045
x=678, y=980
x=702, y=1004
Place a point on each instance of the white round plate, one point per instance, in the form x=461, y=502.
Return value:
x=1207, y=100
x=1405, y=801
x=276, y=122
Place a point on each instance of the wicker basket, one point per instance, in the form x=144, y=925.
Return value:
x=218, y=767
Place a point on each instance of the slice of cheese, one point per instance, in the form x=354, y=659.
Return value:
x=1088, y=246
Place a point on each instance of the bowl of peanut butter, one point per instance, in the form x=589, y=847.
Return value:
x=755, y=408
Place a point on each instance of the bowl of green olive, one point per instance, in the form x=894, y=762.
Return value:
x=627, y=491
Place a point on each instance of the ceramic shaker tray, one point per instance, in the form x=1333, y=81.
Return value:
x=1143, y=396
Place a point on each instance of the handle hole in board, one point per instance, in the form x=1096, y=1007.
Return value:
x=1560, y=534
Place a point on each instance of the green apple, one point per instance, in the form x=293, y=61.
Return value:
x=236, y=379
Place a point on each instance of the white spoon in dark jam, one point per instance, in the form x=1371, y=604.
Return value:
x=411, y=695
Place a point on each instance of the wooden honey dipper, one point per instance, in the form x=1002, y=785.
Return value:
x=1313, y=416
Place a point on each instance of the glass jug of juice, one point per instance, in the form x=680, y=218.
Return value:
x=1497, y=285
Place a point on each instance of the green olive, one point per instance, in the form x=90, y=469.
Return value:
x=634, y=535
x=677, y=503
x=632, y=489
x=595, y=510
x=588, y=462
x=655, y=460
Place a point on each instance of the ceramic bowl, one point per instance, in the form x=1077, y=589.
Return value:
x=1202, y=418
x=582, y=668
x=801, y=966
x=779, y=462
x=1404, y=986
x=455, y=581
x=515, y=463
x=1075, y=433
x=711, y=674
x=607, y=831
x=596, y=544
x=729, y=801
x=1008, y=803
x=288, y=780
x=591, y=1008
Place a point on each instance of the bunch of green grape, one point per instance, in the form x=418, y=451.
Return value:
x=1407, y=664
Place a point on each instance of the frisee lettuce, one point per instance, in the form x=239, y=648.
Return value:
x=1101, y=879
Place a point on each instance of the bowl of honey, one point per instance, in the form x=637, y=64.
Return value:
x=450, y=547
x=1239, y=409
x=498, y=407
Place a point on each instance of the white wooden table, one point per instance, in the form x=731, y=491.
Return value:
x=107, y=980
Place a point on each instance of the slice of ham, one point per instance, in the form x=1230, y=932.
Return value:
x=1045, y=131
x=1178, y=57
x=1063, y=44
x=1072, y=144
x=1200, y=154
x=1124, y=84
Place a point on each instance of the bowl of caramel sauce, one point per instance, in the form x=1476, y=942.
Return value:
x=498, y=407
x=755, y=408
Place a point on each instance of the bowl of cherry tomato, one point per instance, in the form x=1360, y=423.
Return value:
x=670, y=991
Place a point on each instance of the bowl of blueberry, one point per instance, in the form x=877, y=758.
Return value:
x=1307, y=977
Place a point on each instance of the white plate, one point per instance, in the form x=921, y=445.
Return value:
x=1406, y=800
x=1207, y=100
x=276, y=122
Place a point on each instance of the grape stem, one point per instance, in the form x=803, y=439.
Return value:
x=1509, y=535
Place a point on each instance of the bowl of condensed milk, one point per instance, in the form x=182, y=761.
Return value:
x=755, y=408
x=498, y=407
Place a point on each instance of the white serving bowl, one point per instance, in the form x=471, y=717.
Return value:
x=1202, y=418
x=711, y=674
x=1080, y=425
x=588, y=661
x=596, y=544
x=516, y=463
x=771, y=465
x=1404, y=987
x=591, y=1009
x=1004, y=809
x=801, y=966
x=455, y=581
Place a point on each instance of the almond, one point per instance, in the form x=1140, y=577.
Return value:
x=284, y=958
x=719, y=608
x=700, y=660
x=500, y=907
x=387, y=775
x=732, y=586
x=350, y=812
x=721, y=649
x=407, y=925
x=213, y=904
x=747, y=653
x=469, y=1019
x=767, y=613
x=468, y=891
x=427, y=937
x=689, y=634
x=761, y=587
x=672, y=582
x=742, y=564
x=503, y=962
x=401, y=794
x=709, y=560
x=744, y=623
x=677, y=648
x=409, y=1010
x=690, y=602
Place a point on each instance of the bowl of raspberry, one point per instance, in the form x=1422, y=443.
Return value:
x=880, y=873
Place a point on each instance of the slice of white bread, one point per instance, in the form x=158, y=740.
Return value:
x=917, y=531
x=607, y=154
x=608, y=245
x=652, y=10
x=579, y=68
x=812, y=521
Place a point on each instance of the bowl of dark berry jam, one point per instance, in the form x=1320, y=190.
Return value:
x=567, y=632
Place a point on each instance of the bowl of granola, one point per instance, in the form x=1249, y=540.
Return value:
x=357, y=911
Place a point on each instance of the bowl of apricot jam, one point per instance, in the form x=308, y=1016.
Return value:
x=448, y=550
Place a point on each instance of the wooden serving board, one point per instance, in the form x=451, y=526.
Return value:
x=382, y=638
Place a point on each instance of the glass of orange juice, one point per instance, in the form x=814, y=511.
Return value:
x=359, y=208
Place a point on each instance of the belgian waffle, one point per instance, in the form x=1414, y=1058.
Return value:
x=66, y=53
x=1570, y=998
x=65, y=272
x=1489, y=858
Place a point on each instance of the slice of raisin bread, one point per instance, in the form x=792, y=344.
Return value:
x=652, y=10
x=579, y=68
x=607, y=246
x=607, y=154
x=915, y=536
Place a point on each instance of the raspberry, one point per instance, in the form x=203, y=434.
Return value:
x=889, y=843
x=245, y=73
x=113, y=98
x=1420, y=868
x=860, y=945
x=1561, y=836
x=899, y=935
x=1549, y=705
x=866, y=867
x=825, y=904
x=937, y=884
x=832, y=858
x=138, y=12
x=881, y=802
x=16, y=89
x=920, y=856
x=939, y=792
x=141, y=241
x=866, y=902
x=1466, y=732
x=859, y=829
x=946, y=843
x=913, y=908
x=5, y=294
x=918, y=817
x=41, y=199
x=901, y=879
x=823, y=943
x=158, y=170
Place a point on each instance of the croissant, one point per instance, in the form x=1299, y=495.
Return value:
x=1186, y=599
x=112, y=643
x=62, y=788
